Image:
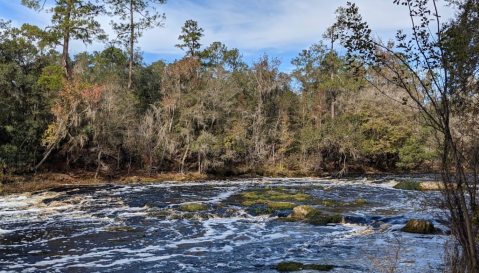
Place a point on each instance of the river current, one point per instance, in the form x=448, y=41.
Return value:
x=140, y=228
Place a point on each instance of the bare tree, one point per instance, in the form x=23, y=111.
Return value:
x=437, y=67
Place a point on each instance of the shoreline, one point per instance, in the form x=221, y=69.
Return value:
x=46, y=181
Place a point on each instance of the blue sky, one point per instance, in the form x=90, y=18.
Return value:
x=279, y=28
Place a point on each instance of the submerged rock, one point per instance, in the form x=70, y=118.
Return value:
x=281, y=213
x=226, y=212
x=256, y=210
x=296, y=266
x=358, y=220
x=192, y=207
x=419, y=226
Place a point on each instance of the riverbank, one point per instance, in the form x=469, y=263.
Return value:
x=44, y=181
x=48, y=180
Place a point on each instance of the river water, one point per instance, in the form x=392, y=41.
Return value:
x=140, y=228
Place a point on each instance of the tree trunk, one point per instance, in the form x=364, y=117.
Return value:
x=129, y=164
x=44, y=157
x=66, y=42
x=99, y=163
x=162, y=156
x=333, y=94
x=150, y=165
x=118, y=158
x=199, y=162
x=184, y=158
x=333, y=100
x=132, y=37
x=462, y=222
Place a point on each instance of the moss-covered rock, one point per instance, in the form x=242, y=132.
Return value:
x=192, y=207
x=409, y=185
x=419, y=226
x=296, y=266
x=282, y=205
x=300, y=212
x=360, y=202
x=317, y=218
x=258, y=209
x=289, y=266
x=262, y=207
x=254, y=202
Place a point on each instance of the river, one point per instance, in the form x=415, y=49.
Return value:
x=141, y=228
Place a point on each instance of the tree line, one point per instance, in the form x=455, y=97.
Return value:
x=209, y=112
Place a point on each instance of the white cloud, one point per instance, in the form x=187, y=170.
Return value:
x=267, y=25
x=277, y=27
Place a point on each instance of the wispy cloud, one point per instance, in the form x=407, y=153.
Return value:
x=276, y=27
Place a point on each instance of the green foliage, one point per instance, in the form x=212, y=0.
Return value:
x=208, y=112
x=191, y=35
x=8, y=155
x=412, y=154
x=105, y=67
x=71, y=19
x=218, y=55
x=51, y=78
x=147, y=83
x=24, y=106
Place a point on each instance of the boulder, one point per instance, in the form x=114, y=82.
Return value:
x=317, y=218
x=419, y=226
x=300, y=212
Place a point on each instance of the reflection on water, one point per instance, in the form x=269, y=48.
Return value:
x=140, y=228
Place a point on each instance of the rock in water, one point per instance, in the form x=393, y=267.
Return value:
x=300, y=212
x=419, y=226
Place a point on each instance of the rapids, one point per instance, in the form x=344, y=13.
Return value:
x=140, y=228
